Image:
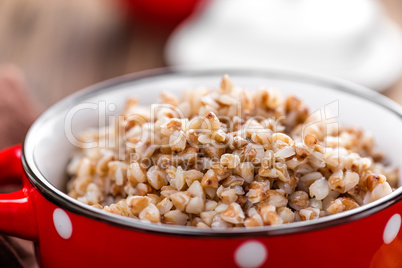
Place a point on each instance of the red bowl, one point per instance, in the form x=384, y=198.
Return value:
x=160, y=14
x=68, y=233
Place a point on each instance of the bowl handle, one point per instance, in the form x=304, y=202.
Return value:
x=17, y=217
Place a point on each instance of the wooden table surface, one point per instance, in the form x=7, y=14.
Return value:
x=65, y=45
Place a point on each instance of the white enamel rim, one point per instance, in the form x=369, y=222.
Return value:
x=72, y=205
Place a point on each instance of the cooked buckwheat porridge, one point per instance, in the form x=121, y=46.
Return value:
x=227, y=157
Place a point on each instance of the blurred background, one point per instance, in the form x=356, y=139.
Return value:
x=50, y=49
x=65, y=45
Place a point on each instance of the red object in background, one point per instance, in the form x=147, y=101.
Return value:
x=162, y=14
x=67, y=239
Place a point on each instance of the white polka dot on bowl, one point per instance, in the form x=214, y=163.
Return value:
x=251, y=254
x=392, y=228
x=62, y=223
